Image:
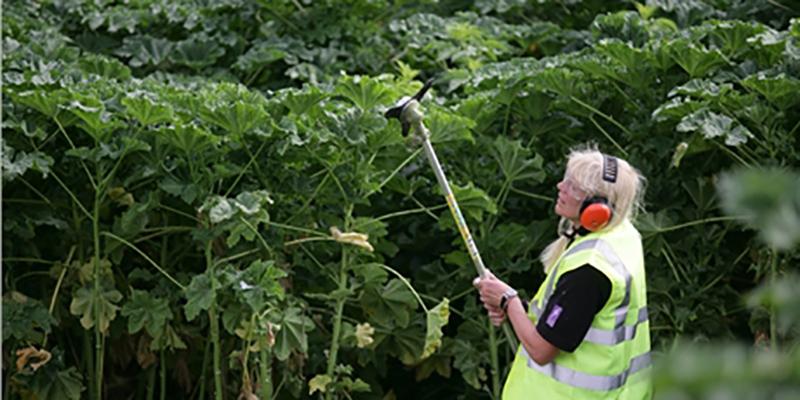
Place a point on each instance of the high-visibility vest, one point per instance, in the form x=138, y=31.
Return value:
x=613, y=360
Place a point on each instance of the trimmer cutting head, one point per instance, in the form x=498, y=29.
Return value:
x=400, y=106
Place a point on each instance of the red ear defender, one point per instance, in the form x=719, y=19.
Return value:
x=595, y=213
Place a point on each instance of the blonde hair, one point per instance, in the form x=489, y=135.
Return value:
x=585, y=169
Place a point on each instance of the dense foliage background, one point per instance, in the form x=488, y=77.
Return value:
x=187, y=186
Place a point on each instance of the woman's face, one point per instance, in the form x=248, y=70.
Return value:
x=570, y=198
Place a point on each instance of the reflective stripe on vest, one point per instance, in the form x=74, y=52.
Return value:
x=618, y=335
x=621, y=332
x=587, y=381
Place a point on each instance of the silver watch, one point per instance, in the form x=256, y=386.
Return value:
x=506, y=298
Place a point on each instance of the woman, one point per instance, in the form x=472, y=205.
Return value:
x=585, y=334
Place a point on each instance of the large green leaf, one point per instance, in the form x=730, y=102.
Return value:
x=200, y=294
x=562, y=81
x=292, y=333
x=404, y=343
x=468, y=360
x=371, y=275
x=257, y=284
x=686, y=12
x=676, y=108
x=769, y=45
x=93, y=116
x=146, y=50
x=188, y=192
x=235, y=109
x=85, y=303
x=627, y=26
x=189, y=138
x=702, y=89
x=712, y=125
x=437, y=318
x=133, y=220
x=145, y=109
x=780, y=90
x=447, y=127
x=197, y=53
x=24, y=318
x=354, y=125
x=107, y=67
x=46, y=102
x=16, y=163
x=302, y=102
x=623, y=53
x=364, y=92
x=515, y=161
x=264, y=53
x=145, y=311
x=694, y=58
x=169, y=340
x=731, y=36
x=56, y=384
x=392, y=303
x=473, y=202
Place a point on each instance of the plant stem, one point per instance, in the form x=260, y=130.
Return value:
x=72, y=145
x=87, y=355
x=310, y=198
x=151, y=382
x=731, y=153
x=495, y=364
x=507, y=118
x=411, y=211
x=531, y=195
x=246, y=167
x=71, y=195
x=338, y=183
x=773, y=323
x=408, y=284
x=295, y=228
x=501, y=200
x=214, y=327
x=606, y=117
x=163, y=231
x=58, y=287
x=265, y=372
x=203, y=371
x=396, y=170
x=179, y=212
x=305, y=240
x=98, y=346
x=28, y=260
x=337, y=319
x=153, y=263
x=34, y=190
x=258, y=235
x=607, y=135
x=246, y=253
x=163, y=371
x=699, y=222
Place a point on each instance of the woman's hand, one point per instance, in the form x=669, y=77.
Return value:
x=491, y=290
x=496, y=315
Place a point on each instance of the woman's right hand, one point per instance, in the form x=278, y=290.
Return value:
x=496, y=315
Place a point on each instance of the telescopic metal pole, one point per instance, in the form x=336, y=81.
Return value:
x=412, y=115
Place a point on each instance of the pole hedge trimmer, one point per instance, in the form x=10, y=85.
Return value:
x=410, y=116
x=408, y=112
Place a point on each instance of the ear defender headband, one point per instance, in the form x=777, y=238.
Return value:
x=596, y=212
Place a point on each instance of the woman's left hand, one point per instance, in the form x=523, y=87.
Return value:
x=491, y=290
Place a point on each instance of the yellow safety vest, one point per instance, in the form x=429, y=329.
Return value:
x=613, y=360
